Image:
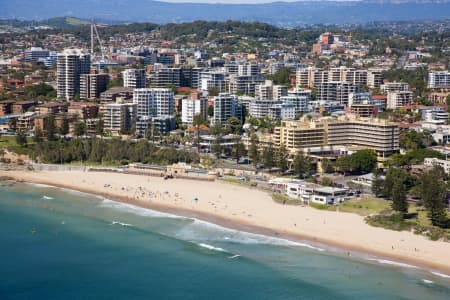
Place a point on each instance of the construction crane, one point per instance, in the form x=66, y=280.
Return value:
x=95, y=31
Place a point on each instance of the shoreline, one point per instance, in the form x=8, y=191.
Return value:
x=340, y=248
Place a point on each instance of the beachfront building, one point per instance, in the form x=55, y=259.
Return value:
x=119, y=118
x=309, y=192
x=134, y=78
x=71, y=63
x=379, y=135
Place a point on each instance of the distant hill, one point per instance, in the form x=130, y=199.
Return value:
x=286, y=14
x=58, y=22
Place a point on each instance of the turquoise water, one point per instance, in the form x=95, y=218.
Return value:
x=57, y=244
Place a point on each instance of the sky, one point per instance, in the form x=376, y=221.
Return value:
x=229, y=1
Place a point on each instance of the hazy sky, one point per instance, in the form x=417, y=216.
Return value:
x=228, y=1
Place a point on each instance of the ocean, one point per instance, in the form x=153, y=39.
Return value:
x=59, y=244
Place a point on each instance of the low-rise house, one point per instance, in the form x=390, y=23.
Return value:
x=445, y=164
x=310, y=192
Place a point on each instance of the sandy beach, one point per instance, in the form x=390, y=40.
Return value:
x=253, y=210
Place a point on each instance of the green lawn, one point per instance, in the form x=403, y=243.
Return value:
x=283, y=199
x=9, y=142
x=362, y=206
x=237, y=181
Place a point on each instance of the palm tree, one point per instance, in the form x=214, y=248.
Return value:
x=197, y=122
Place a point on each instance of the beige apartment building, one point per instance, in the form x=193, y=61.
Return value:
x=379, y=135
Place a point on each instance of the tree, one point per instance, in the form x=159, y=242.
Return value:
x=253, y=149
x=238, y=151
x=37, y=138
x=21, y=139
x=64, y=129
x=216, y=146
x=327, y=165
x=268, y=158
x=116, y=82
x=197, y=122
x=399, y=197
x=327, y=181
x=377, y=184
x=50, y=128
x=210, y=110
x=213, y=91
x=79, y=128
x=100, y=127
x=234, y=124
x=173, y=87
x=393, y=175
x=302, y=164
x=360, y=161
x=281, y=77
x=282, y=158
x=433, y=192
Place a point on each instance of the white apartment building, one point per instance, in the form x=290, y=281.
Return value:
x=359, y=98
x=282, y=112
x=71, y=63
x=313, y=77
x=269, y=91
x=436, y=113
x=398, y=99
x=212, y=79
x=264, y=91
x=193, y=107
x=279, y=91
x=245, y=84
x=134, y=78
x=248, y=69
x=260, y=108
x=92, y=85
x=151, y=103
x=36, y=53
x=300, y=103
x=300, y=92
x=394, y=87
x=374, y=78
x=225, y=107
x=336, y=91
x=439, y=79
x=445, y=164
x=119, y=118
x=310, y=77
